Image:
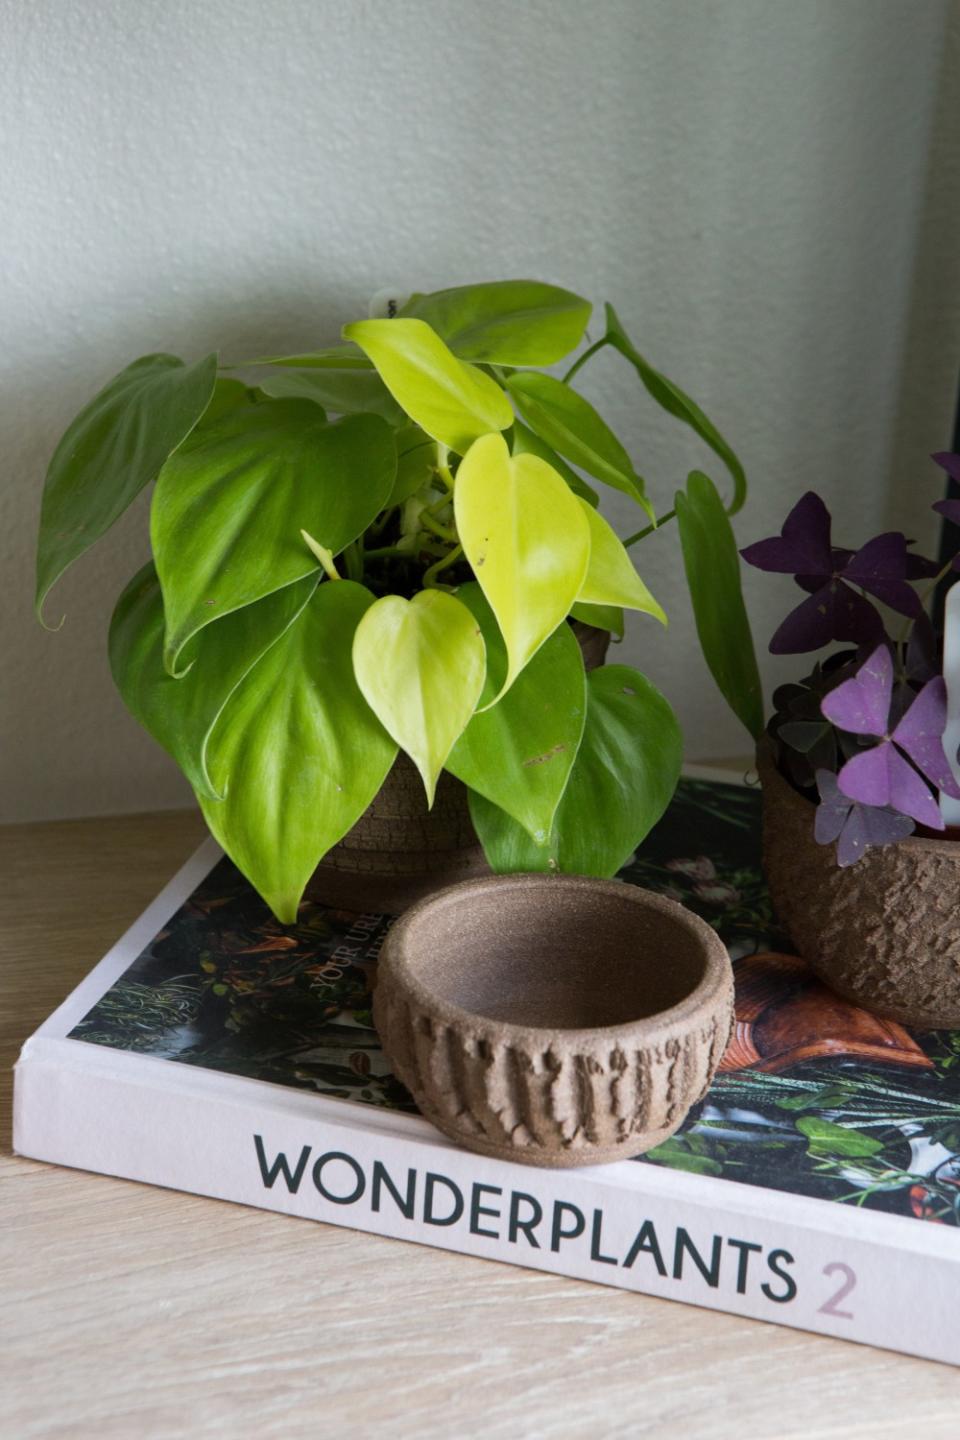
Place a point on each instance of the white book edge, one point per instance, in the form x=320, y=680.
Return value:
x=810, y=1264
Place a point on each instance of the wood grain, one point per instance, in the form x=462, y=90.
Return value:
x=133, y=1313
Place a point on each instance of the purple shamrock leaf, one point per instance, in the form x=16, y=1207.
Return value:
x=835, y=610
x=948, y=462
x=852, y=825
x=883, y=775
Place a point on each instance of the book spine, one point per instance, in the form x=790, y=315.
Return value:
x=589, y=1224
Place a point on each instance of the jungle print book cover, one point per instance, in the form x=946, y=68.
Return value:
x=814, y=1097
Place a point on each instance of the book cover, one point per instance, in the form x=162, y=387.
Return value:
x=817, y=1185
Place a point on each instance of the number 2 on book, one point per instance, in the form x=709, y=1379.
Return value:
x=832, y=1306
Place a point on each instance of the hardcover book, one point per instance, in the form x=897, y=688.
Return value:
x=817, y=1185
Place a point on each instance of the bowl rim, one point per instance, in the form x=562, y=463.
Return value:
x=702, y=1000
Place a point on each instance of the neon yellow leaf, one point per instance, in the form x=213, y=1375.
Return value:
x=527, y=539
x=611, y=578
x=420, y=664
x=451, y=400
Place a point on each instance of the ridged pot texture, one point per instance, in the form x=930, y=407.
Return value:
x=554, y=1020
x=884, y=932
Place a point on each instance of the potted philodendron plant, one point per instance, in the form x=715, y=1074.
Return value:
x=348, y=618
x=859, y=791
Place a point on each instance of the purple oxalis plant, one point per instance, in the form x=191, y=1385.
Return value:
x=863, y=733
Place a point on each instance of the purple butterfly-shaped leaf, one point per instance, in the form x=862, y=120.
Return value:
x=803, y=545
x=853, y=826
x=948, y=462
x=861, y=705
x=920, y=734
x=883, y=775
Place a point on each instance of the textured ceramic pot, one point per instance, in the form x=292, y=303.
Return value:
x=554, y=1020
x=884, y=932
x=399, y=851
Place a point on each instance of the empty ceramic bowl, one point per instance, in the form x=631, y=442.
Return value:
x=554, y=1020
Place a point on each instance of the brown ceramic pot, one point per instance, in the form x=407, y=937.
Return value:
x=884, y=932
x=554, y=1020
x=399, y=851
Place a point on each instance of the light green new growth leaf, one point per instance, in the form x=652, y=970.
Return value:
x=505, y=322
x=229, y=507
x=114, y=447
x=519, y=753
x=527, y=540
x=712, y=566
x=181, y=714
x=675, y=402
x=623, y=778
x=570, y=424
x=528, y=442
x=420, y=664
x=452, y=401
x=297, y=752
x=611, y=578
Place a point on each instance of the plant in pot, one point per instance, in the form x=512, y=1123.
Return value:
x=857, y=785
x=348, y=621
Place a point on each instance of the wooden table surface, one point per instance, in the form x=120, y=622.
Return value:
x=139, y=1313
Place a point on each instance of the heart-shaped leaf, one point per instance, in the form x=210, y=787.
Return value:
x=505, y=322
x=528, y=442
x=342, y=392
x=519, y=753
x=672, y=399
x=452, y=401
x=297, y=753
x=112, y=450
x=180, y=714
x=623, y=778
x=420, y=664
x=572, y=426
x=611, y=578
x=601, y=617
x=527, y=540
x=230, y=505
x=712, y=566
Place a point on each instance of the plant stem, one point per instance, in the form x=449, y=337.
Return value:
x=587, y=355
x=429, y=578
x=649, y=529
x=324, y=555
x=443, y=532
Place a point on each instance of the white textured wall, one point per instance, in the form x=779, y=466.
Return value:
x=767, y=189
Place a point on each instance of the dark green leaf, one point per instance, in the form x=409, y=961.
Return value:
x=672, y=399
x=712, y=565
x=519, y=753
x=342, y=392
x=416, y=463
x=180, y=714
x=230, y=505
x=570, y=425
x=112, y=450
x=625, y=773
x=504, y=322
